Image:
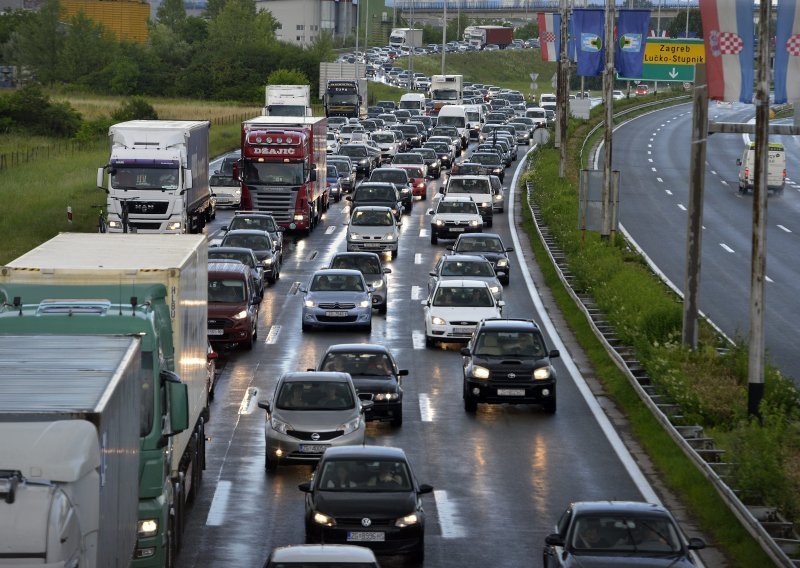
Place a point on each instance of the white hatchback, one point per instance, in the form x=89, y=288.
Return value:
x=455, y=307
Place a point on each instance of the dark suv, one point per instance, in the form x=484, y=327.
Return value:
x=507, y=361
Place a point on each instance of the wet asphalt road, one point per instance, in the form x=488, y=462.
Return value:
x=502, y=476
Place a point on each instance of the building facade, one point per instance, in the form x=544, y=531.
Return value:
x=302, y=21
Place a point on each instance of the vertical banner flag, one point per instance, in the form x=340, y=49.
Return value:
x=632, y=28
x=549, y=35
x=728, y=29
x=787, y=53
x=572, y=45
x=589, y=33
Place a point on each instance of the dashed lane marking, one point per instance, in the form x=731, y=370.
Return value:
x=681, y=207
x=416, y=292
x=330, y=229
x=418, y=339
x=426, y=411
x=448, y=516
x=418, y=258
x=216, y=513
x=782, y=228
x=272, y=336
x=726, y=247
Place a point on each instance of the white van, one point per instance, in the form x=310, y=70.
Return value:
x=413, y=101
x=776, y=167
x=475, y=118
x=455, y=115
x=538, y=114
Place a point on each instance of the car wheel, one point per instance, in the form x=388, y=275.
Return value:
x=470, y=403
x=407, y=209
x=383, y=307
x=368, y=327
x=550, y=404
x=505, y=280
x=417, y=555
x=430, y=341
x=434, y=238
x=248, y=345
x=397, y=421
x=270, y=464
x=489, y=222
x=394, y=254
x=306, y=328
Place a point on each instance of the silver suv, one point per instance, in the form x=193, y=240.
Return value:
x=310, y=412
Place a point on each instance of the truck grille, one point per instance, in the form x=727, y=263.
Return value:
x=140, y=226
x=148, y=207
x=279, y=202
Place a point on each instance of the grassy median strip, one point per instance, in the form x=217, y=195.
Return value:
x=710, y=387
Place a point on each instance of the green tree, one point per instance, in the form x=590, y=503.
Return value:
x=531, y=29
x=677, y=26
x=88, y=47
x=135, y=108
x=38, y=41
x=213, y=8
x=172, y=14
x=287, y=77
x=238, y=26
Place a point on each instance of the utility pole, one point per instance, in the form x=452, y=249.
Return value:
x=411, y=54
x=366, y=36
x=755, y=366
x=658, y=34
x=694, y=234
x=608, y=102
x=563, y=91
x=358, y=25
x=444, y=33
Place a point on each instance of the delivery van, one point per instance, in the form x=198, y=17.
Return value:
x=776, y=167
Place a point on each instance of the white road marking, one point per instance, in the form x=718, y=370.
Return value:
x=418, y=339
x=448, y=516
x=650, y=145
x=681, y=207
x=726, y=247
x=653, y=169
x=668, y=192
x=782, y=228
x=424, y=233
x=416, y=292
x=418, y=258
x=660, y=180
x=249, y=401
x=330, y=229
x=649, y=152
x=216, y=513
x=713, y=172
x=426, y=411
x=723, y=182
x=768, y=279
x=662, y=125
x=272, y=336
x=650, y=160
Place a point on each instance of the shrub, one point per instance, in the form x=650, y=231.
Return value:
x=287, y=77
x=136, y=108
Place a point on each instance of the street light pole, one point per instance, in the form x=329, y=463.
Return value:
x=358, y=24
x=444, y=34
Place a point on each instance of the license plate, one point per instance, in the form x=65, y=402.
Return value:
x=312, y=448
x=373, y=245
x=216, y=332
x=456, y=229
x=358, y=536
x=462, y=329
x=336, y=314
x=510, y=392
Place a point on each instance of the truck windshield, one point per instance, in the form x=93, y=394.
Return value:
x=444, y=95
x=343, y=98
x=287, y=110
x=274, y=173
x=457, y=121
x=138, y=177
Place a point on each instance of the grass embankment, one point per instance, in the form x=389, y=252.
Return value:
x=710, y=387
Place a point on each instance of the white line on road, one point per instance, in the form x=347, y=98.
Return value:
x=424, y=234
x=649, y=152
x=723, y=182
x=448, y=516
x=668, y=192
x=660, y=180
x=330, y=229
x=272, y=336
x=653, y=169
x=726, y=247
x=416, y=292
x=418, y=258
x=768, y=279
x=650, y=160
x=216, y=513
x=782, y=228
x=713, y=172
x=681, y=207
x=418, y=339
x=248, y=404
x=426, y=411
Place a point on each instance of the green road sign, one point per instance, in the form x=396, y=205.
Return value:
x=670, y=59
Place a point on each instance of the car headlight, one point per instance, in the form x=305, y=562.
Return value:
x=421, y=185
x=174, y=226
x=308, y=303
x=324, y=520
x=389, y=236
x=364, y=304
x=435, y=320
x=494, y=289
x=498, y=170
x=268, y=262
x=387, y=396
x=146, y=528
x=114, y=224
x=438, y=222
x=377, y=284
x=351, y=426
x=475, y=223
x=364, y=161
x=237, y=192
x=354, y=236
x=280, y=426
x=407, y=521
x=498, y=197
x=541, y=374
x=502, y=262
x=480, y=372
x=241, y=315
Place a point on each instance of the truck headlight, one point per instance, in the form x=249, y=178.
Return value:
x=146, y=528
x=541, y=374
x=324, y=520
x=435, y=320
x=480, y=372
x=176, y=226
x=241, y=315
x=299, y=217
x=407, y=521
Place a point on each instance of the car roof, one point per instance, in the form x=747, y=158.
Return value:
x=339, y=271
x=468, y=176
x=228, y=267
x=476, y=235
x=617, y=507
x=322, y=376
x=462, y=283
x=384, y=169
x=381, y=208
x=251, y=214
x=257, y=232
x=230, y=249
x=341, y=452
x=361, y=347
x=459, y=199
x=380, y=184
x=465, y=258
x=314, y=553
x=509, y=324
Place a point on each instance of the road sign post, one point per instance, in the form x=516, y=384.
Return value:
x=671, y=59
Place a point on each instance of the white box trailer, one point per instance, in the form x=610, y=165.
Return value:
x=287, y=100
x=69, y=450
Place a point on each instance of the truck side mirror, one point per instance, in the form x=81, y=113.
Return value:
x=101, y=179
x=313, y=175
x=178, y=401
x=187, y=179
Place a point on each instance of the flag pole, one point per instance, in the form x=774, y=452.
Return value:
x=608, y=101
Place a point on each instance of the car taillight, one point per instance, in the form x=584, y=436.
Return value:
x=747, y=173
x=784, y=174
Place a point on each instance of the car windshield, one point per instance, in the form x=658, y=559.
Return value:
x=244, y=257
x=366, y=264
x=630, y=534
x=359, y=364
x=427, y=153
x=407, y=159
x=383, y=137
x=414, y=172
x=468, y=185
x=438, y=146
x=480, y=244
x=510, y=344
x=226, y=291
x=222, y=181
x=314, y=395
x=444, y=95
x=374, y=194
x=337, y=283
x=480, y=269
x=353, y=151
x=343, y=167
x=390, y=176
x=451, y=297
x=364, y=475
x=445, y=131
x=371, y=218
x=456, y=207
x=255, y=242
x=486, y=159
x=332, y=172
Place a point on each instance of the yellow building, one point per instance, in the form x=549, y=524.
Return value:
x=126, y=19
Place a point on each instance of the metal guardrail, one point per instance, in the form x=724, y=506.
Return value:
x=775, y=535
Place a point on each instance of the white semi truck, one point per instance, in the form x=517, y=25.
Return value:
x=69, y=450
x=405, y=37
x=447, y=90
x=287, y=100
x=157, y=176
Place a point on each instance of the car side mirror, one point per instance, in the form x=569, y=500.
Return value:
x=303, y=289
x=738, y=161
x=265, y=405
x=501, y=303
x=554, y=540
x=366, y=405
x=465, y=351
x=387, y=270
x=224, y=228
x=451, y=248
x=402, y=373
x=216, y=172
x=305, y=487
x=509, y=249
x=424, y=303
x=348, y=198
x=696, y=544
x=425, y=488
x=431, y=273
x=554, y=353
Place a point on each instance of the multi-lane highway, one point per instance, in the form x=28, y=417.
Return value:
x=652, y=153
x=502, y=476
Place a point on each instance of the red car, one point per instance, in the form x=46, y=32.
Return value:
x=641, y=90
x=419, y=185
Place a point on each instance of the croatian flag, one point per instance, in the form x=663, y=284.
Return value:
x=787, y=53
x=728, y=29
x=549, y=35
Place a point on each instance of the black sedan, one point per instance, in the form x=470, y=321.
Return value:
x=262, y=246
x=489, y=246
x=619, y=534
x=366, y=495
x=375, y=376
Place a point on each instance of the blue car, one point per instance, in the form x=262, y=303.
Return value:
x=334, y=182
x=337, y=298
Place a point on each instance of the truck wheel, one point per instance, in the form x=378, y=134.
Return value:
x=169, y=547
x=178, y=500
